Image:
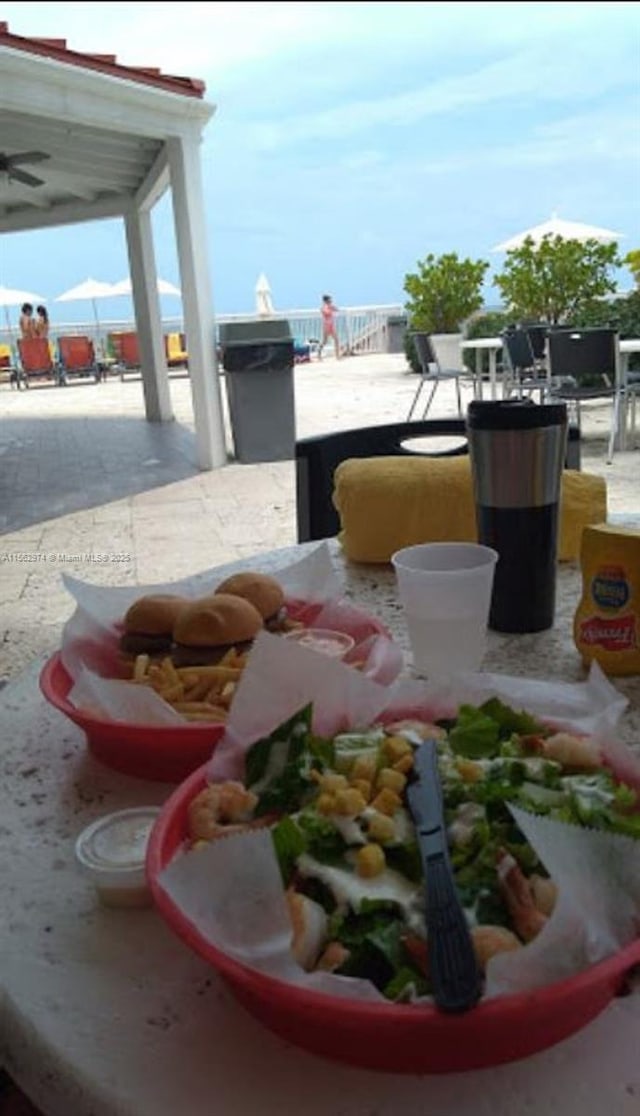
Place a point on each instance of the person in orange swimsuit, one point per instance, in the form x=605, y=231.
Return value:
x=328, y=311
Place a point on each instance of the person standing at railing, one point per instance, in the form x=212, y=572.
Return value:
x=328, y=310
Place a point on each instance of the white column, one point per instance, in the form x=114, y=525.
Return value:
x=155, y=376
x=191, y=238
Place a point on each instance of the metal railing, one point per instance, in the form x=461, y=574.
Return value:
x=361, y=329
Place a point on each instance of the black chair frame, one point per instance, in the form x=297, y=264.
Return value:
x=317, y=459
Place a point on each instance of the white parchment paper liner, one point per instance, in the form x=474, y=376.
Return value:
x=90, y=638
x=237, y=881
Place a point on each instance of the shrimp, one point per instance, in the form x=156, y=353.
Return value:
x=219, y=809
x=518, y=895
x=577, y=752
x=544, y=893
x=333, y=956
x=309, y=925
x=489, y=940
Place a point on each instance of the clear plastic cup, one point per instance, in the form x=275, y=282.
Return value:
x=445, y=590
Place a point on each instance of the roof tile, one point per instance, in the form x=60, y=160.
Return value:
x=58, y=51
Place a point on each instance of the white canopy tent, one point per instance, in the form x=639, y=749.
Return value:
x=163, y=287
x=556, y=226
x=89, y=291
x=113, y=139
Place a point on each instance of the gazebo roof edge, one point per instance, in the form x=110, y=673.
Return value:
x=57, y=51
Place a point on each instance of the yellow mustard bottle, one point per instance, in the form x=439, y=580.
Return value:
x=606, y=626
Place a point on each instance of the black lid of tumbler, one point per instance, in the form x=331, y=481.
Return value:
x=514, y=414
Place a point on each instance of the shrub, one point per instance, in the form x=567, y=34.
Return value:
x=444, y=292
x=557, y=279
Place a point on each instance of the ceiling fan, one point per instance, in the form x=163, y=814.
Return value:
x=11, y=166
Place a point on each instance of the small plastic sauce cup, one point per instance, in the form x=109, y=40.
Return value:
x=327, y=642
x=111, y=853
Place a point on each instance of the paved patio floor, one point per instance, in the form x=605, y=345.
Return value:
x=88, y=486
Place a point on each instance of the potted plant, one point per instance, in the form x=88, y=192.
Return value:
x=443, y=293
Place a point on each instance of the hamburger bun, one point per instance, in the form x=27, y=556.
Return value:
x=155, y=614
x=148, y=623
x=207, y=627
x=264, y=592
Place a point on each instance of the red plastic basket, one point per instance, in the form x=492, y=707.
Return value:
x=164, y=753
x=389, y=1037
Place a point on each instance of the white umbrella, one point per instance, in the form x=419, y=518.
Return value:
x=568, y=230
x=264, y=301
x=164, y=288
x=10, y=296
x=90, y=290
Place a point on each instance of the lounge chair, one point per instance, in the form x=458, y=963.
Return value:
x=36, y=360
x=77, y=358
x=126, y=351
x=175, y=350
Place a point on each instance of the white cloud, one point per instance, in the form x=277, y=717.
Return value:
x=529, y=76
x=209, y=39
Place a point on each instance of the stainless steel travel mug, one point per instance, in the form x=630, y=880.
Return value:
x=517, y=451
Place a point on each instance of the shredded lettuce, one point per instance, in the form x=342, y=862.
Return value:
x=277, y=766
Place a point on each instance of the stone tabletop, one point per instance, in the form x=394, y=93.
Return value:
x=105, y=1013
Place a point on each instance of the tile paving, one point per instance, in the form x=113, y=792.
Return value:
x=83, y=476
x=88, y=486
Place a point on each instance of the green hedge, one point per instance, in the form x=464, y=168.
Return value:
x=621, y=313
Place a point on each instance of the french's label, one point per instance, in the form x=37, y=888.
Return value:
x=611, y=635
x=610, y=588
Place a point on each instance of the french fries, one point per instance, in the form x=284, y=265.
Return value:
x=199, y=693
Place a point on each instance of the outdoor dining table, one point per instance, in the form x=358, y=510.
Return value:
x=103, y=1012
x=493, y=345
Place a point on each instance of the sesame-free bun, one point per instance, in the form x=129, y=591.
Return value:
x=154, y=615
x=217, y=620
x=264, y=592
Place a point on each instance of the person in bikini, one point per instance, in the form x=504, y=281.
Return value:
x=328, y=311
x=27, y=323
x=41, y=324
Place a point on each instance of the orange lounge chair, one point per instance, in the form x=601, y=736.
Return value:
x=125, y=351
x=77, y=357
x=36, y=360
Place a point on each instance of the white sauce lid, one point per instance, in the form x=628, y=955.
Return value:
x=324, y=640
x=116, y=845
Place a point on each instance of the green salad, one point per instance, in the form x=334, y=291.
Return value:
x=347, y=847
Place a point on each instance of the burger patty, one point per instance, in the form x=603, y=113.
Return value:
x=183, y=655
x=136, y=643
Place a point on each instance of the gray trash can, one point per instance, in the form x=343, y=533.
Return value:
x=396, y=332
x=257, y=357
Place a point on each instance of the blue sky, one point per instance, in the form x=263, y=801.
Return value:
x=351, y=139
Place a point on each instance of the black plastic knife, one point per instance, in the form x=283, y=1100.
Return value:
x=453, y=969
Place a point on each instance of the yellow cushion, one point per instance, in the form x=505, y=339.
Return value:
x=386, y=503
x=174, y=347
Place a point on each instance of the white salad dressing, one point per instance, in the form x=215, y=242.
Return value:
x=275, y=764
x=349, y=890
x=112, y=851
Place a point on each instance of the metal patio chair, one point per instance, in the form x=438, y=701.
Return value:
x=584, y=366
x=432, y=374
